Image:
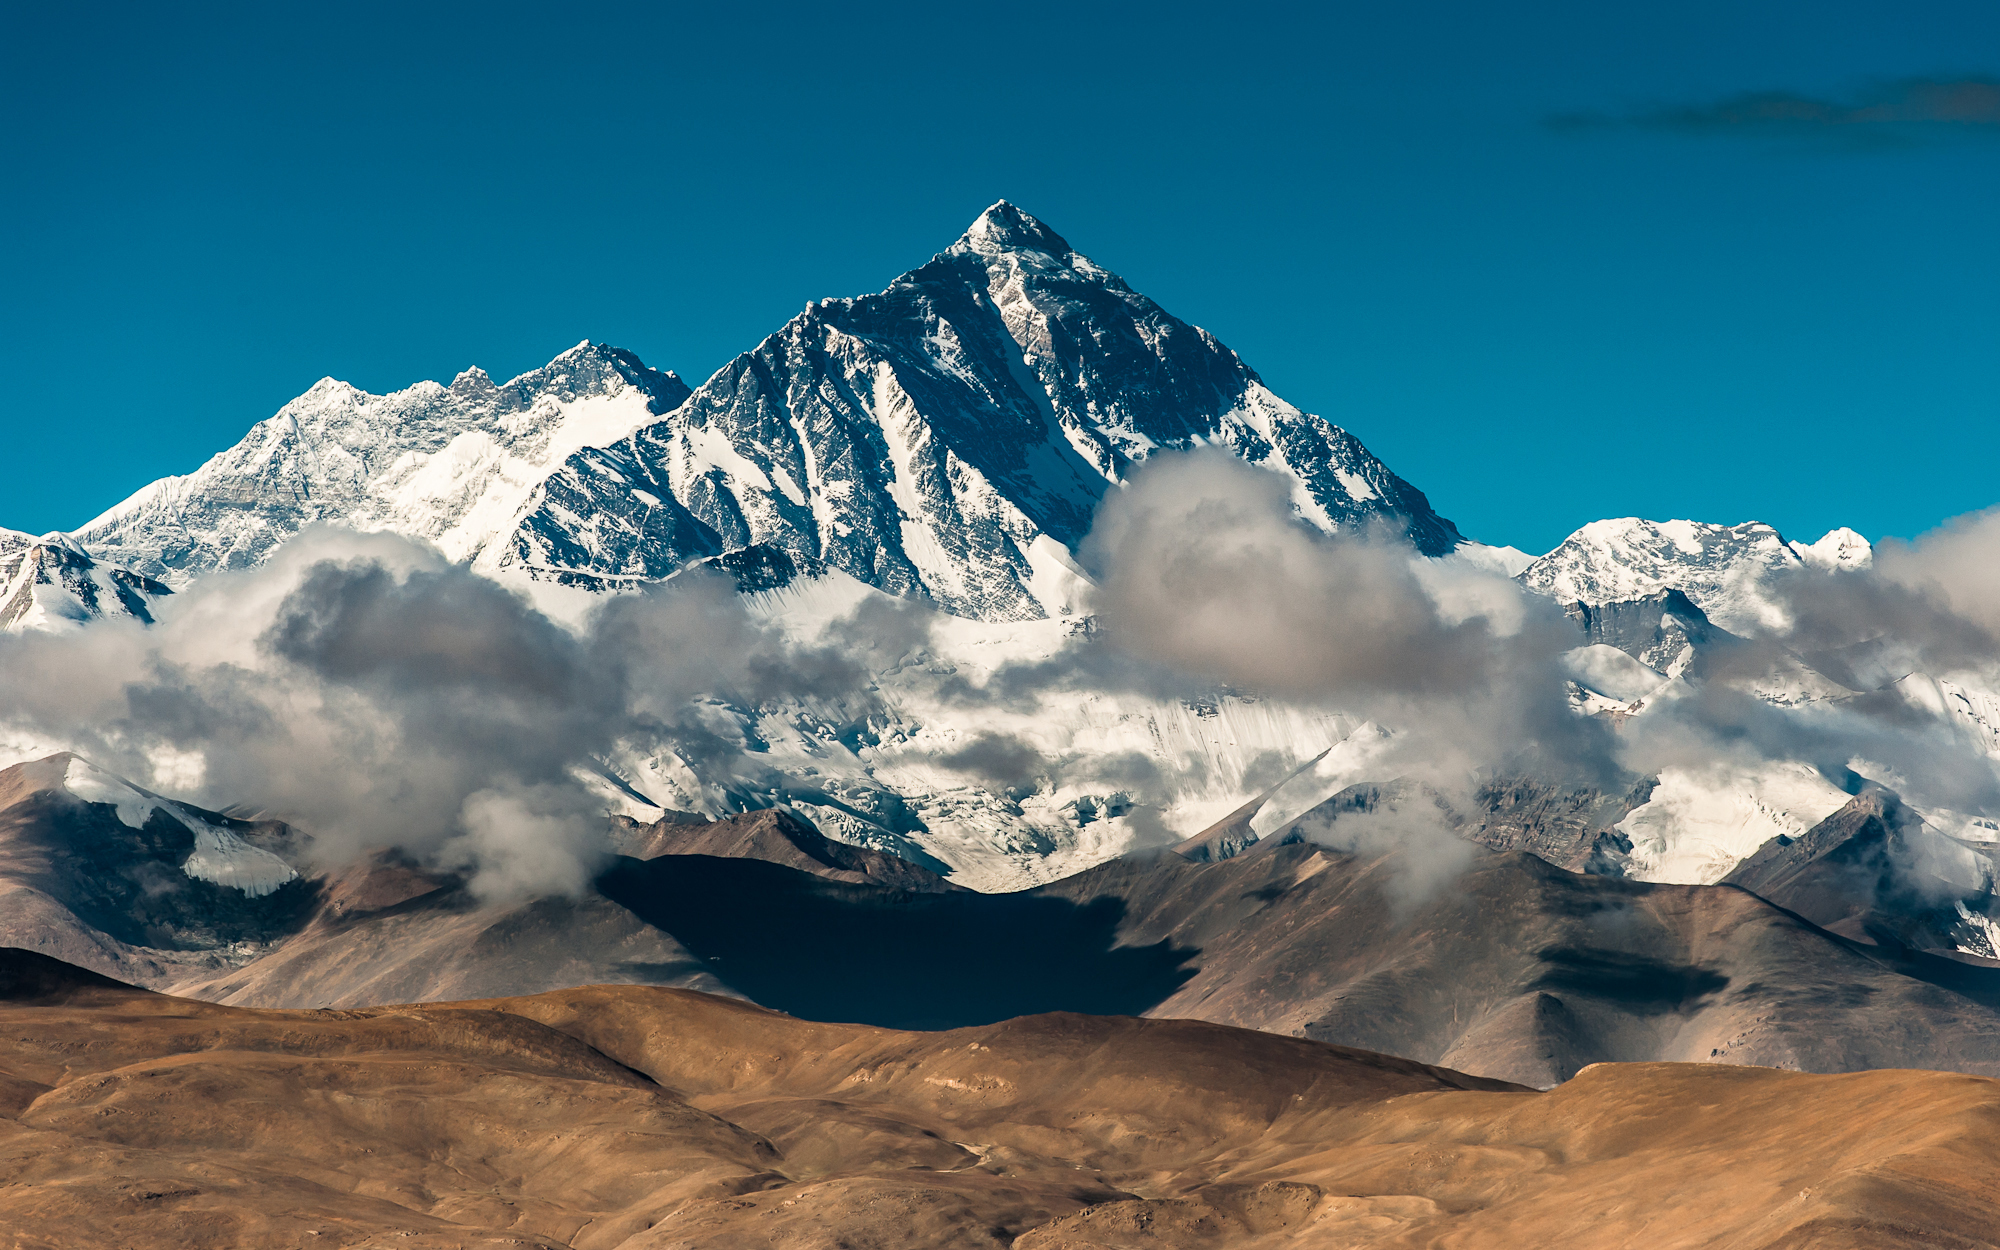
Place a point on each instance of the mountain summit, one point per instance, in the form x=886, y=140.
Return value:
x=949, y=437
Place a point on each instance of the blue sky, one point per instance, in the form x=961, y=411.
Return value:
x=1550, y=263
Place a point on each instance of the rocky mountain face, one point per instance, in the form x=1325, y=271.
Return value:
x=100, y=872
x=1868, y=872
x=52, y=583
x=1504, y=966
x=1664, y=631
x=456, y=465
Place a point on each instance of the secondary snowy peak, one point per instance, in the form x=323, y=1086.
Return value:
x=1838, y=549
x=454, y=464
x=53, y=583
x=1727, y=570
x=948, y=437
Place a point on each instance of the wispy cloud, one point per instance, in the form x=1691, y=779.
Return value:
x=1889, y=114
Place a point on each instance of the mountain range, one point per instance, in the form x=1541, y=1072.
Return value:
x=948, y=441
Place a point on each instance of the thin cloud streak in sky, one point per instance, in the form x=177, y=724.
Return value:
x=1892, y=114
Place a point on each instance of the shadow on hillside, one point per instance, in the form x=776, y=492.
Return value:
x=827, y=950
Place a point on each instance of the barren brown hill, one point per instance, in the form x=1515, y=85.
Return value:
x=387, y=931
x=775, y=836
x=640, y=1117
x=1512, y=968
x=79, y=883
x=1863, y=873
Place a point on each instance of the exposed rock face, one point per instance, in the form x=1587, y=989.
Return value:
x=456, y=465
x=778, y=837
x=653, y=1119
x=1873, y=872
x=1571, y=828
x=1663, y=631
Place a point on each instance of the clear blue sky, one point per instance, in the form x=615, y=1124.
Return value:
x=1662, y=302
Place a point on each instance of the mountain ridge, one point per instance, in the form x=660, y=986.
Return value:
x=947, y=437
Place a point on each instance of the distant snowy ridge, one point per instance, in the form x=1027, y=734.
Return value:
x=52, y=583
x=1726, y=570
x=456, y=465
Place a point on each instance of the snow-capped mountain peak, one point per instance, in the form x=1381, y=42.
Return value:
x=1004, y=229
x=1840, y=548
x=948, y=437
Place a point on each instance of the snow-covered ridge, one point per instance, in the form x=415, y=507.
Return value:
x=948, y=437
x=891, y=783
x=456, y=465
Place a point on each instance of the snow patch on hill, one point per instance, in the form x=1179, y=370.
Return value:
x=219, y=856
x=1700, y=823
